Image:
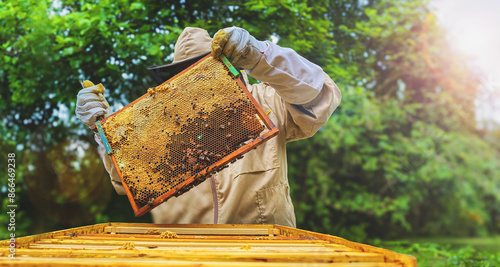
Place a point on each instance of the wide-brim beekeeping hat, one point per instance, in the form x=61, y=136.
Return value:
x=192, y=45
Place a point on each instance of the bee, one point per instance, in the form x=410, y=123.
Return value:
x=183, y=187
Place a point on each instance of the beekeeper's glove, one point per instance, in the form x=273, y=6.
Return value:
x=241, y=48
x=91, y=104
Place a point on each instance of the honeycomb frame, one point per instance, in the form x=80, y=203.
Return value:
x=227, y=120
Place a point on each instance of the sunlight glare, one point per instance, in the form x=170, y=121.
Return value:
x=472, y=39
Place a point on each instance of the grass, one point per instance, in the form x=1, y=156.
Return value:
x=490, y=244
x=437, y=252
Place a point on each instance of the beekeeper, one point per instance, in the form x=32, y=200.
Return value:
x=299, y=97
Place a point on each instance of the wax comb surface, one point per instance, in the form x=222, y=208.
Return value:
x=176, y=135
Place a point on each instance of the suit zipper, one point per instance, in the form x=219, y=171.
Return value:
x=216, y=201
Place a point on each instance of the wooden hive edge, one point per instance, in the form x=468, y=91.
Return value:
x=24, y=242
x=390, y=256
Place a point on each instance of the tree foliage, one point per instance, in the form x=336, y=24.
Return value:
x=402, y=155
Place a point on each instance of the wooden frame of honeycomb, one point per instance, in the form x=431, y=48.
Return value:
x=182, y=131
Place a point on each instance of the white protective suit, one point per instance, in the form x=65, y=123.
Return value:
x=299, y=97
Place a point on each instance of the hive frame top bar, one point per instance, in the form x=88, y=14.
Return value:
x=195, y=244
x=195, y=178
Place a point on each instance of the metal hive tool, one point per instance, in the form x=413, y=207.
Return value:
x=172, y=138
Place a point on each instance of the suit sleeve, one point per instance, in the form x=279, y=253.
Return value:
x=110, y=167
x=304, y=96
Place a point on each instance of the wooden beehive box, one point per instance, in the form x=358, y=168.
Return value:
x=134, y=244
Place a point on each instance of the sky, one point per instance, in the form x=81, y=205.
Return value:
x=474, y=27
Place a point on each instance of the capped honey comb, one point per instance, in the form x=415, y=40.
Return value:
x=176, y=135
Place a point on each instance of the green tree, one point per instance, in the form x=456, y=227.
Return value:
x=402, y=155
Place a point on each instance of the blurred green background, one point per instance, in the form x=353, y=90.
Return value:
x=403, y=159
